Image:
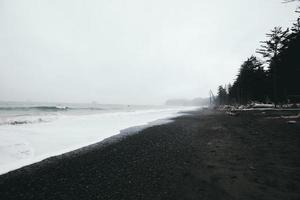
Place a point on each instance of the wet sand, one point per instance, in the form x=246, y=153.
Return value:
x=204, y=155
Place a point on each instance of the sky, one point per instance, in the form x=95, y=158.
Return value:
x=128, y=52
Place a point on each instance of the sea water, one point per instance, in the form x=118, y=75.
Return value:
x=31, y=132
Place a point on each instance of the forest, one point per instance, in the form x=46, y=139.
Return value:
x=274, y=77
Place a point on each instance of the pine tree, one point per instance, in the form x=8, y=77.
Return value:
x=250, y=84
x=270, y=50
x=222, y=95
x=289, y=66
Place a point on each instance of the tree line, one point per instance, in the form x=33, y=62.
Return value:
x=273, y=79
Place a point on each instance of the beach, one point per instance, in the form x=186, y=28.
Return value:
x=205, y=154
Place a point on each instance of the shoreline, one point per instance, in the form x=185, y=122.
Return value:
x=203, y=155
x=23, y=145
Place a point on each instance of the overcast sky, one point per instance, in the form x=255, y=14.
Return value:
x=130, y=51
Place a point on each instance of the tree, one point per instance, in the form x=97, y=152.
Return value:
x=222, y=95
x=250, y=84
x=270, y=50
x=288, y=67
x=280, y=82
x=272, y=47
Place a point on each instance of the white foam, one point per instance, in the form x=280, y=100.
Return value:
x=27, y=119
x=24, y=144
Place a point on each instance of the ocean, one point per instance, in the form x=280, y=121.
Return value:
x=31, y=132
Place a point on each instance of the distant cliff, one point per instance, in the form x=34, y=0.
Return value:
x=188, y=102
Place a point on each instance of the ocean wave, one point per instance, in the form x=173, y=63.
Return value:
x=40, y=108
x=18, y=120
x=47, y=108
x=51, y=107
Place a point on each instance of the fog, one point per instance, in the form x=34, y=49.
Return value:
x=128, y=52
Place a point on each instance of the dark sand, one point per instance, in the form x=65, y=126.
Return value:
x=204, y=155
